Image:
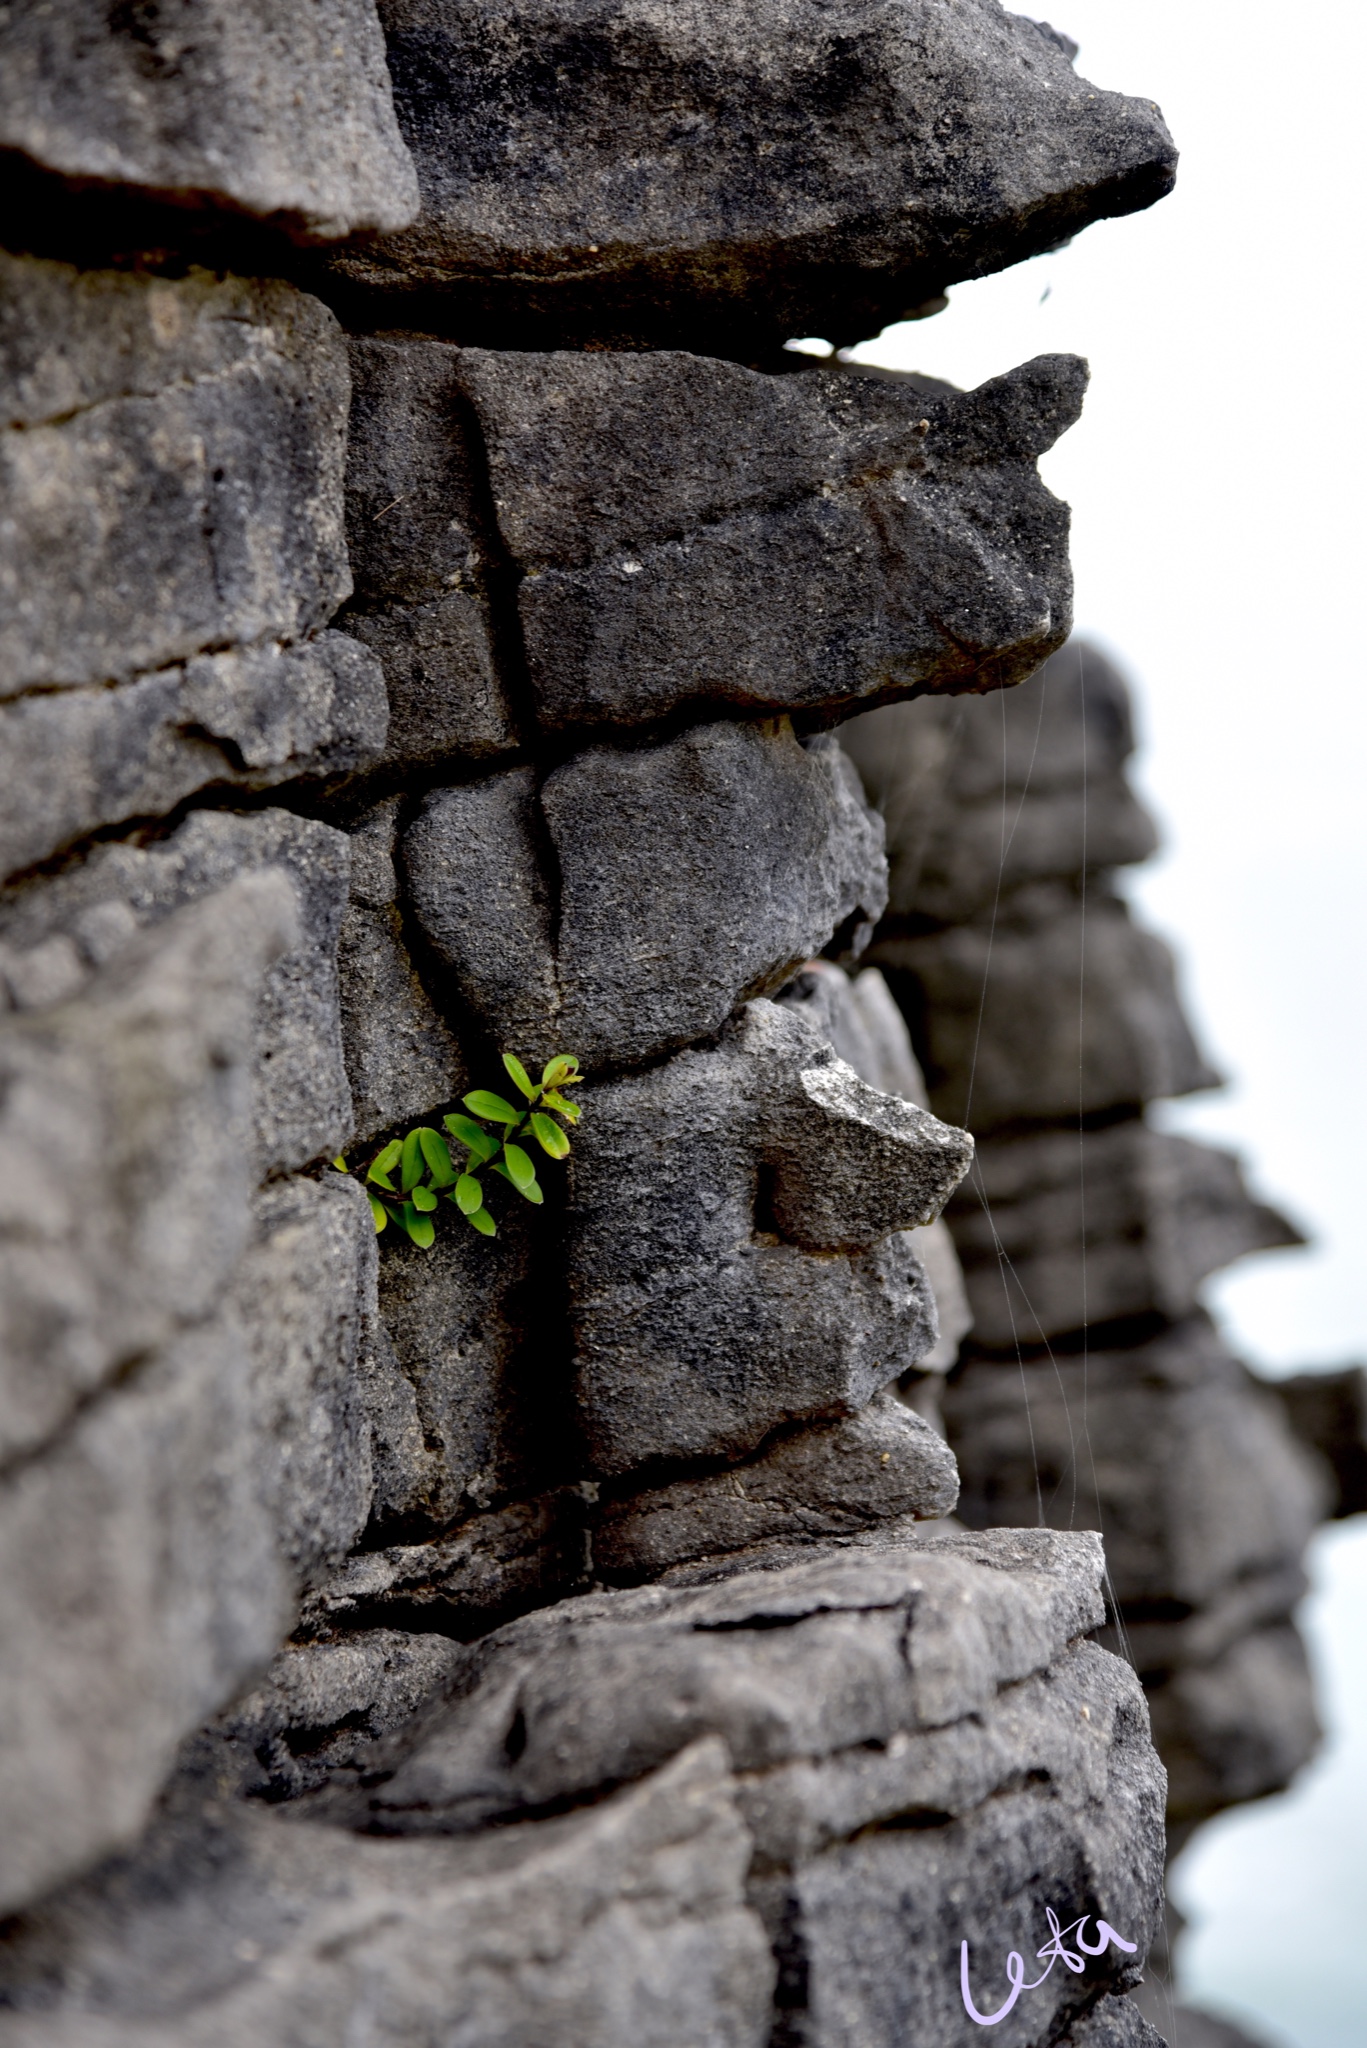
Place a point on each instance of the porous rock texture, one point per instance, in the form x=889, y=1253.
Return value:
x=648, y=173
x=1094, y=1392
x=214, y=103
x=553, y=1635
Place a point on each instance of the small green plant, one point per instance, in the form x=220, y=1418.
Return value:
x=425, y=1167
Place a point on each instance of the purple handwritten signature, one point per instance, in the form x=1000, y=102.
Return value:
x=1056, y=1949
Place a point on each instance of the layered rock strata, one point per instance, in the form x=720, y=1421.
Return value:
x=530, y=1637
x=1094, y=1391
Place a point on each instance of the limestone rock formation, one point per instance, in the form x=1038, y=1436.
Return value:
x=553, y=1634
x=1094, y=1391
x=214, y=103
x=641, y=173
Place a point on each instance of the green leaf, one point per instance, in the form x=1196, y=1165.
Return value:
x=379, y=1212
x=549, y=1135
x=561, y=1072
x=519, y=1074
x=482, y=1103
x=521, y=1172
x=469, y=1195
x=562, y=1106
x=481, y=1142
x=424, y=1199
x=484, y=1222
x=412, y=1165
x=437, y=1153
x=533, y=1192
x=340, y=1164
x=382, y=1180
x=419, y=1228
x=382, y=1162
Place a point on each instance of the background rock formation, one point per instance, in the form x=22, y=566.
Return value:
x=530, y=1638
x=1093, y=1391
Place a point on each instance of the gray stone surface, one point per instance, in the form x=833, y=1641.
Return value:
x=142, y=1588
x=1062, y=1229
x=858, y=1017
x=60, y=925
x=218, y=103
x=979, y=797
x=793, y=169
x=626, y=1924
x=74, y=760
x=170, y=470
x=414, y=474
x=1327, y=1412
x=302, y=1293
x=124, y=1121
x=1118, y=2023
x=1022, y=1063
x=796, y=1663
x=686, y=877
x=322, y=1702
x=401, y=1057
x=471, y=1577
x=826, y=1480
x=1238, y=1728
x=1182, y=1460
x=455, y=1320
x=693, y=532
x=737, y=1246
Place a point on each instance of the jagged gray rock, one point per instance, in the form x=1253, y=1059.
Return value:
x=1237, y=1728
x=74, y=760
x=690, y=875
x=489, y=1567
x=1189, y=1469
x=52, y=928
x=1053, y=752
x=859, y=1019
x=1118, y=2023
x=737, y=1244
x=322, y=1702
x=829, y=1479
x=170, y=470
x=401, y=1057
x=690, y=532
x=124, y=1124
x=795, y=169
x=1063, y=1229
x=414, y=472
x=622, y=1927
x=456, y=1317
x=302, y=1292
x=217, y=104
x=797, y=1663
x=142, y=1582
x=1009, y=1040
x=1328, y=1414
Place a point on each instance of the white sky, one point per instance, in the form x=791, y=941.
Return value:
x=1217, y=479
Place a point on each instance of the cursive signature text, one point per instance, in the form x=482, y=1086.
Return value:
x=1057, y=1951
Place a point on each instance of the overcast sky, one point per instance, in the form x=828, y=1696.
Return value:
x=1217, y=479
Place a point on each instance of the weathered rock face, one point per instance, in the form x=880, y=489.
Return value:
x=739, y=1252
x=689, y=531
x=171, y=511
x=1095, y=1393
x=214, y=103
x=582, y=1561
x=640, y=173
x=639, y=840
x=127, y=1180
x=53, y=927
